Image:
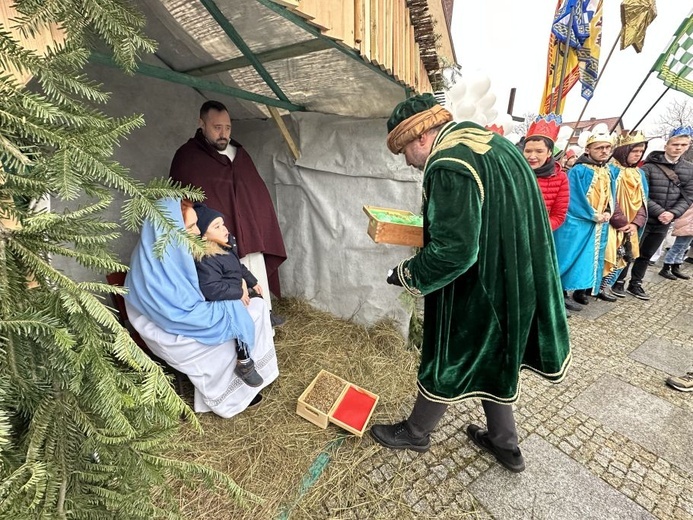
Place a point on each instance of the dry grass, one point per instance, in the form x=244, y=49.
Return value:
x=268, y=450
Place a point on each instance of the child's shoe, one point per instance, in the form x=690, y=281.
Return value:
x=246, y=371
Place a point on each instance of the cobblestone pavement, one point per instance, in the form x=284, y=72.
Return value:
x=611, y=441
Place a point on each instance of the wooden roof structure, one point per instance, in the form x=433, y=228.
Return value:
x=347, y=57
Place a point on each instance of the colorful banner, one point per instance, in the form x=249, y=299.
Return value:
x=676, y=63
x=574, y=47
x=558, y=60
x=588, y=54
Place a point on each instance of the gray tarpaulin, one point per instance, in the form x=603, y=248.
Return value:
x=344, y=164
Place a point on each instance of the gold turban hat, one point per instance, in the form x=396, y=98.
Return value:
x=412, y=118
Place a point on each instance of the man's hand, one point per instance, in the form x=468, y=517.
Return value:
x=605, y=217
x=392, y=277
x=666, y=217
x=258, y=289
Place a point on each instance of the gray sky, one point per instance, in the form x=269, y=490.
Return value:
x=508, y=41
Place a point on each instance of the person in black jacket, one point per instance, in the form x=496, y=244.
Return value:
x=222, y=276
x=670, y=181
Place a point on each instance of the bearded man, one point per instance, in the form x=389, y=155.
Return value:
x=487, y=272
x=220, y=166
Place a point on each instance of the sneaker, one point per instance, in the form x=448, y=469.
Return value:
x=638, y=292
x=683, y=383
x=247, y=372
x=398, y=437
x=509, y=459
x=619, y=290
x=275, y=320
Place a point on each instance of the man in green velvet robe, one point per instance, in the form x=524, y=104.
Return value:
x=488, y=273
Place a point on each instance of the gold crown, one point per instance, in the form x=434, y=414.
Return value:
x=627, y=138
x=599, y=138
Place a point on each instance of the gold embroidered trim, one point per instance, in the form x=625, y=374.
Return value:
x=476, y=139
x=404, y=276
x=472, y=171
x=490, y=397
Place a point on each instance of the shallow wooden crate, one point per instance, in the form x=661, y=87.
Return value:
x=391, y=232
x=322, y=419
x=311, y=413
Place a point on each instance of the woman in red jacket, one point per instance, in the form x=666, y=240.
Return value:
x=552, y=180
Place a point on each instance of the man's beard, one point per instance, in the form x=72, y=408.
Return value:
x=219, y=146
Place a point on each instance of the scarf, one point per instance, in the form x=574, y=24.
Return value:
x=547, y=169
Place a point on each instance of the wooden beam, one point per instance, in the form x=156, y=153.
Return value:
x=280, y=53
x=191, y=81
x=284, y=131
x=230, y=30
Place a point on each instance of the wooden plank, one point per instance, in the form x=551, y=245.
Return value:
x=291, y=4
x=397, y=38
x=389, y=27
x=366, y=28
x=284, y=131
x=373, y=31
x=358, y=22
x=408, y=47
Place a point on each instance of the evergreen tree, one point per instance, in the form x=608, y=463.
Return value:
x=85, y=417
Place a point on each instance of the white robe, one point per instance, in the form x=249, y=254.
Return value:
x=211, y=369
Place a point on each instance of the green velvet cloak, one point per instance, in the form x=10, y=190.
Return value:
x=488, y=270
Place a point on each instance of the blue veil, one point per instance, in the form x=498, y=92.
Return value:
x=166, y=290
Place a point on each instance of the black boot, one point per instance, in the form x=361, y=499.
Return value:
x=580, y=296
x=676, y=271
x=666, y=272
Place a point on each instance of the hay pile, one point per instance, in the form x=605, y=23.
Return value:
x=268, y=450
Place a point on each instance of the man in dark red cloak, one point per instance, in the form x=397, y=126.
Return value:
x=221, y=167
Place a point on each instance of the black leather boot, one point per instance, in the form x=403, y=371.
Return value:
x=676, y=271
x=580, y=296
x=666, y=272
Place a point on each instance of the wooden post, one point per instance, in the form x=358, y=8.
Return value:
x=284, y=131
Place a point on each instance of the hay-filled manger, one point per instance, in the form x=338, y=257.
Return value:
x=282, y=459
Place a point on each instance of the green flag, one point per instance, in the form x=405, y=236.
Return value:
x=675, y=65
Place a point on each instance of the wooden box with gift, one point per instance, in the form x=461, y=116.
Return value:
x=331, y=399
x=394, y=226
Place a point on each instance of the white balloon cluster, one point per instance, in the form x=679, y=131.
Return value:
x=471, y=99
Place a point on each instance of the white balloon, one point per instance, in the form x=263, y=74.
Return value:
x=491, y=115
x=479, y=86
x=487, y=101
x=479, y=119
x=457, y=91
x=564, y=133
x=513, y=138
x=463, y=110
x=506, y=122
